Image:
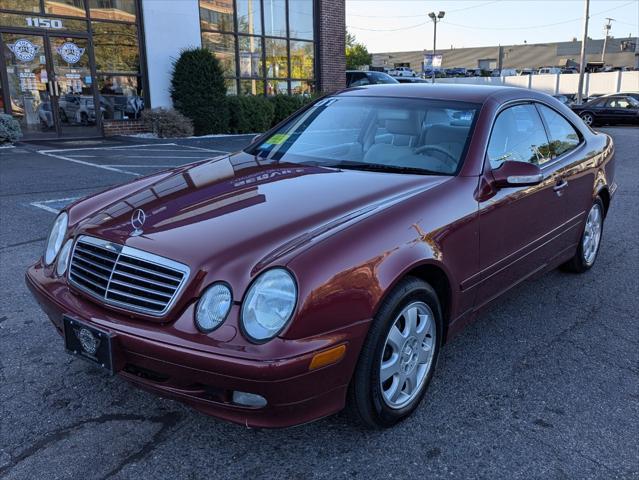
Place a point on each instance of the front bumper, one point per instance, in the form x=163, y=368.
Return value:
x=206, y=380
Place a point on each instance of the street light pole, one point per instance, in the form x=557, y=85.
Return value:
x=606, y=33
x=435, y=18
x=582, y=61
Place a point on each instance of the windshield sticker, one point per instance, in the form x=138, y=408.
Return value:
x=278, y=139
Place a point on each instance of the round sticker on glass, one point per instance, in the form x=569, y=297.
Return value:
x=70, y=52
x=24, y=50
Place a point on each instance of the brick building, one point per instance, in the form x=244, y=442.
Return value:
x=60, y=58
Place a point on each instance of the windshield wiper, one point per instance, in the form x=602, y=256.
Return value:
x=378, y=167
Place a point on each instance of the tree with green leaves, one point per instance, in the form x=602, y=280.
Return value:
x=199, y=92
x=356, y=53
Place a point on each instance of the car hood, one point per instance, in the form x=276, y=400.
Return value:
x=229, y=217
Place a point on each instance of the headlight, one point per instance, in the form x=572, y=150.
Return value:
x=213, y=307
x=268, y=305
x=63, y=259
x=55, y=238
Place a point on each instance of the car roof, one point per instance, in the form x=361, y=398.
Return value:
x=454, y=92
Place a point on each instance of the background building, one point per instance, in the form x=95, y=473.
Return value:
x=619, y=52
x=61, y=58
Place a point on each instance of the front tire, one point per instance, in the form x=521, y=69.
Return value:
x=399, y=356
x=590, y=241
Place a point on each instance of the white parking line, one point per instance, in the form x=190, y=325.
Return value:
x=144, y=166
x=44, y=204
x=88, y=164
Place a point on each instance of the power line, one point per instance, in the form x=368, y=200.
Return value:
x=475, y=27
x=424, y=15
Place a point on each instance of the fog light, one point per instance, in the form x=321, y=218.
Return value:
x=249, y=399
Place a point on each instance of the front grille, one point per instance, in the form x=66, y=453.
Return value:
x=126, y=277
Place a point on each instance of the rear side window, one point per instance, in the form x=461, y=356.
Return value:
x=518, y=135
x=563, y=136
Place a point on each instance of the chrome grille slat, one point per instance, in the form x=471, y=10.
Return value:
x=135, y=287
x=126, y=277
x=146, y=270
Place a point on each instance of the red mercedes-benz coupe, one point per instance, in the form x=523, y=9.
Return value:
x=328, y=262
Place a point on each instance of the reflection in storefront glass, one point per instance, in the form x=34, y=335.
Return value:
x=301, y=87
x=70, y=8
x=276, y=58
x=276, y=87
x=217, y=15
x=120, y=10
x=21, y=5
x=120, y=97
x=300, y=19
x=249, y=17
x=224, y=47
x=116, y=47
x=275, y=18
x=251, y=64
x=301, y=59
x=251, y=87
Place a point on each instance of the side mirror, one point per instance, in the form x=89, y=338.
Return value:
x=517, y=174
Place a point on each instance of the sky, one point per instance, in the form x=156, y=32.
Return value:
x=402, y=25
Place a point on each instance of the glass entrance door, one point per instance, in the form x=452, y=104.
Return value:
x=73, y=92
x=50, y=85
x=30, y=91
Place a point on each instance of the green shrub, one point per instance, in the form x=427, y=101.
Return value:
x=199, y=92
x=286, y=105
x=167, y=123
x=249, y=114
x=9, y=129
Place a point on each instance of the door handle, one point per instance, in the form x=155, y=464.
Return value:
x=51, y=88
x=558, y=188
x=57, y=88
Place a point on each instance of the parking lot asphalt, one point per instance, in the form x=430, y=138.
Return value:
x=544, y=385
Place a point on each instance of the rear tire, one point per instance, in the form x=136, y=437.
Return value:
x=588, y=118
x=399, y=356
x=590, y=240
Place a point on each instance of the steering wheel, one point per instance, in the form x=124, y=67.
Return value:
x=437, y=148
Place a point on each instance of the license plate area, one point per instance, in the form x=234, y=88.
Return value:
x=89, y=343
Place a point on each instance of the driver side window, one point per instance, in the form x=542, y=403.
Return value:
x=518, y=135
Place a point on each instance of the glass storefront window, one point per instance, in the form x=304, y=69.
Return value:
x=302, y=87
x=276, y=58
x=70, y=8
x=217, y=15
x=269, y=44
x=231, y=86
x=275, y=18
x=49, y=24
x=251, y=87
x=249, y=17
x=120, y=97
x=120, y=10
x=276, y=87
x=251, y=64
x=21, y=5
x=224, y=47
x=300, y=19
x=116, y=47
x=301, y=59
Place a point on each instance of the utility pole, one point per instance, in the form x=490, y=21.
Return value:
x=606, y=33
x=582, y=61
x=435, y=18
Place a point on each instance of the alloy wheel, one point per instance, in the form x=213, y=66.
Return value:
x=592, y=234
x=587, y=118
x=408, y=355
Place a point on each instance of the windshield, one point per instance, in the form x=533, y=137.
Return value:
x=404, y=135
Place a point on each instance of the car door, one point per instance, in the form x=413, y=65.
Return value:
x=620, y=110
x=597, y=107
x=522, y=227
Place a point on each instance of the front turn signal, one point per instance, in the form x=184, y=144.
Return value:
x=328, y=357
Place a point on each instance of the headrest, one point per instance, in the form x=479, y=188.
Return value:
x=403, y=127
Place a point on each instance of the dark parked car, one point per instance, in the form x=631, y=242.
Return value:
x=358, y=78
x=610, y=109
x=330, y=260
